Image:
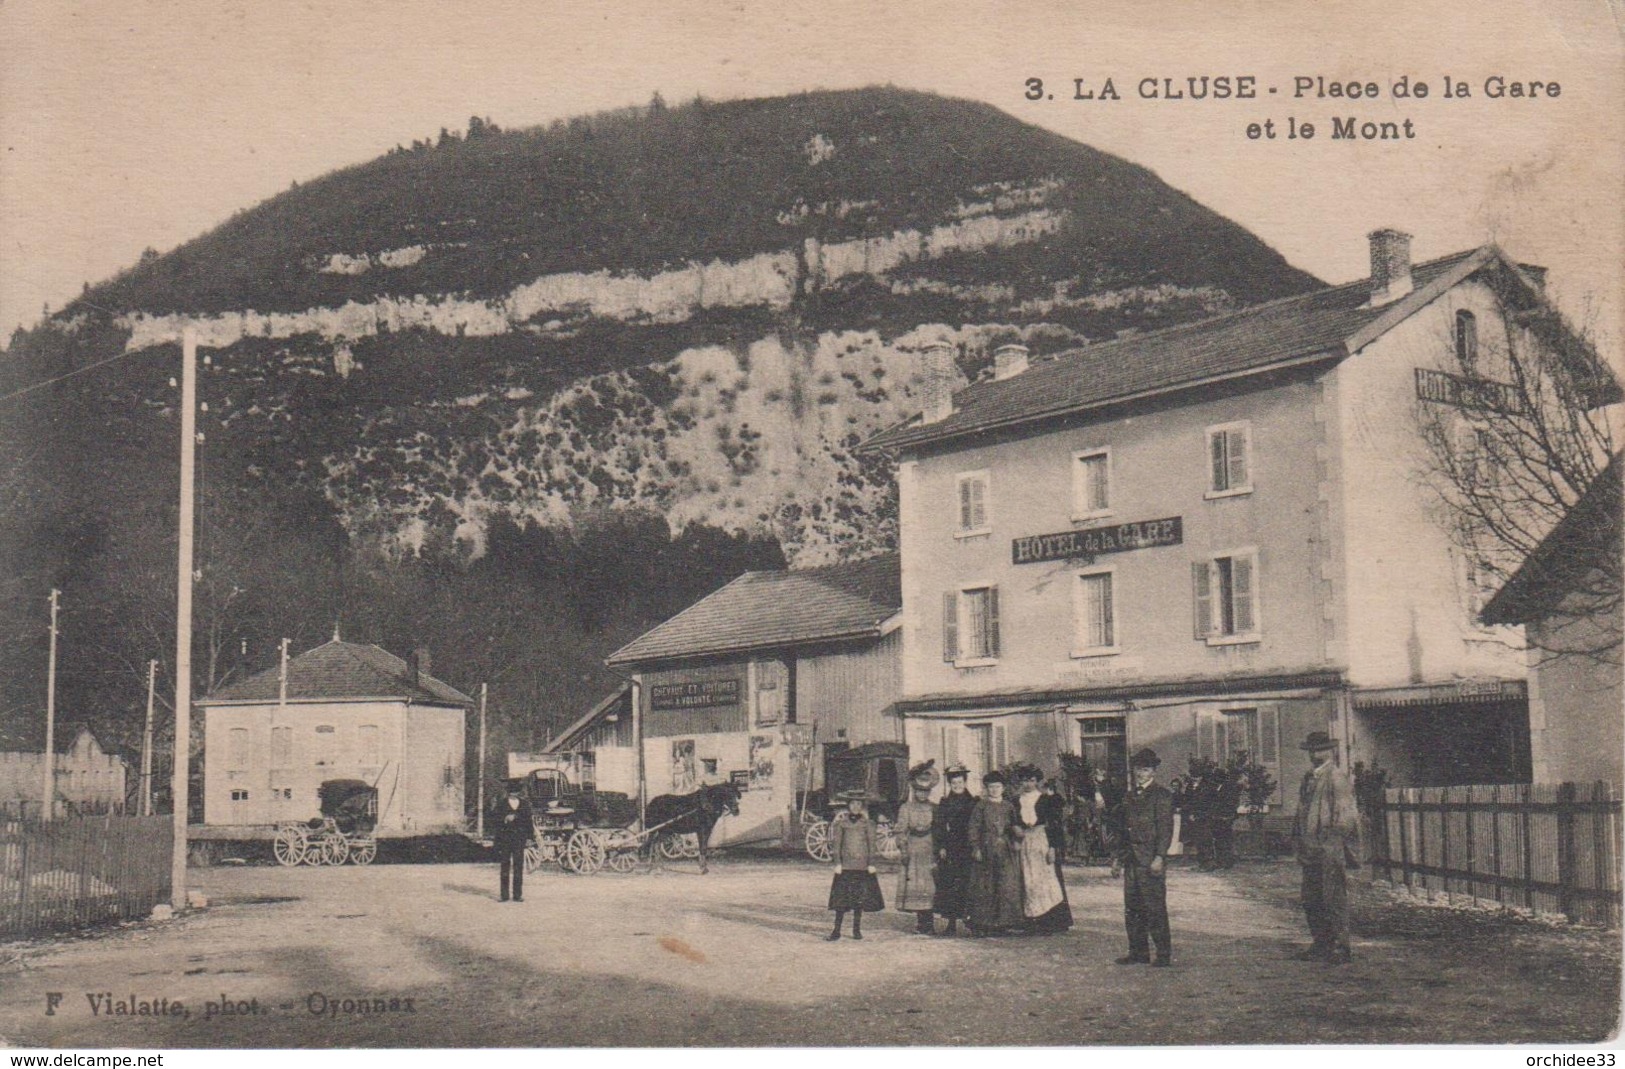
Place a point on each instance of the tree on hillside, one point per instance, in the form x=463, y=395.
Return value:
x=1514, y=435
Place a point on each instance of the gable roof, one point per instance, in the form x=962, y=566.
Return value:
x=763, y=610
x=1582, y=542
x=341, y=672
x=1324, y=325
x=609, y=706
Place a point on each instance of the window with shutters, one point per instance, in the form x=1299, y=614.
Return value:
x=1225, y=598
x=237, y=751
x=1091, y=484
x=1230, y=467
x=282, y=747
x=1467, y=341
x=367, y=744
x=973, y=505
x=327, y=745
x=970, y=626
x=1250, y=732
x=1094, y=620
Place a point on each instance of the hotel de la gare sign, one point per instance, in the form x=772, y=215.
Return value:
x=1087, y=544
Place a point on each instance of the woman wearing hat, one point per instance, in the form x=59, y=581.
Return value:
x=995, y=870
x=950, y=835
x=916, y=882
x=852, y=844
x=1039, y=842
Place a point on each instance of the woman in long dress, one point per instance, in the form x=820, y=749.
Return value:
x=916, y=882
x=995, y=870
x=1040, y=841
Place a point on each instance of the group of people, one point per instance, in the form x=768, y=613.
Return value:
x=995, y=862
x=1207, y=802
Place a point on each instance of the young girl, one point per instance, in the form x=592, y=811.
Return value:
x=852, y=845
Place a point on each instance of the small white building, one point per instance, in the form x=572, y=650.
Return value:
x=344, y=711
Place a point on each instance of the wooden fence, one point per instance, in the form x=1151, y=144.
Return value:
x=75, y=871
x=1545, y=847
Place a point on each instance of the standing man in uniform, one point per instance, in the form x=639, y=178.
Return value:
x=916, y=875
x=1326, y=835
x=512, y=829
x=1148, y=813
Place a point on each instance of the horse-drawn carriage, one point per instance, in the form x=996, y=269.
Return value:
x=585, y=831
x=880, y=771
x=342, y=831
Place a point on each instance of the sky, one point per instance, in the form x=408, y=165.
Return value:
x=144, y=123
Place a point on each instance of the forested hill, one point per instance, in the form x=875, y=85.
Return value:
x=499, y=365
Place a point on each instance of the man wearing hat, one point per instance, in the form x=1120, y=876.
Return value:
x=916, y=883
x=950, y=835
x=1326, y=835
x=512, y=829
x=1148, y=814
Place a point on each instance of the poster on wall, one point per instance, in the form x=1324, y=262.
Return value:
x=684, y=773
x=762, y=752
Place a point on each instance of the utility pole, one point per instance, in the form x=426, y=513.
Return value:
x=637, y=743
x=50, y=717
x=479, y=789
x=180, y=782
x=146, y=741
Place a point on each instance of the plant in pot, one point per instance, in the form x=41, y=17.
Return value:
x=1257, y=788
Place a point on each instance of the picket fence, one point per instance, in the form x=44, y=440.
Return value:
x=75, y=871
x=1551, y=848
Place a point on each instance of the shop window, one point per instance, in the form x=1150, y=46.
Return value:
x=1103, y=742
x=1225, y=598
x=708, y=766
x=973, y=511
x=1091, y=484
x=970, y=625
x=1227, y=733
x=1229, y=448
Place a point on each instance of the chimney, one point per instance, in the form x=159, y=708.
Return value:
x=1009, y=360
x=420, y=664
x=1390, y=265
x=1535, y=274
x=937, y=374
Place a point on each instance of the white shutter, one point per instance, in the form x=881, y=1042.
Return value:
x=1269, y=742
x=978, y=497
x=1242, y=595
x=1000, y=755
x=950, y=626
x=1208, y=739
x=1236, y=456
x=991, y=645
x=1202, y=587
x=965, y=505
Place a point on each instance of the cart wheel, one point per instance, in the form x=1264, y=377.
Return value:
x=363, y=851
x=691, y=844
x=584, y=853
x=886, y=840
x=533, y=858
x=315, y=850
x=817, y=841
x=623, y=859
x=289, y=847
x=336, y=850
x=671, y=847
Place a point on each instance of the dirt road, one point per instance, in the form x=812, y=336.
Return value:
x=423, y=955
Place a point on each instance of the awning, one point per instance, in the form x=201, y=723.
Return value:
x=1460, y=692
x=982, y=713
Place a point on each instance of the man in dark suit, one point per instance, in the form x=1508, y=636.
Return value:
x=511, y=830
x=1148, y=813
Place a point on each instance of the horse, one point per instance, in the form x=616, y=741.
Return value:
x=690, y=814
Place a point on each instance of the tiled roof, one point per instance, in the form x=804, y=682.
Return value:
x=1328, y=324
x=342, y=671
x=762, y=610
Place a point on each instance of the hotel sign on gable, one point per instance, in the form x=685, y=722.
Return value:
x=1092, y=542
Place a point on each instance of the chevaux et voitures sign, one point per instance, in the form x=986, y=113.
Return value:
x=1067, y=545
x=701, y=694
